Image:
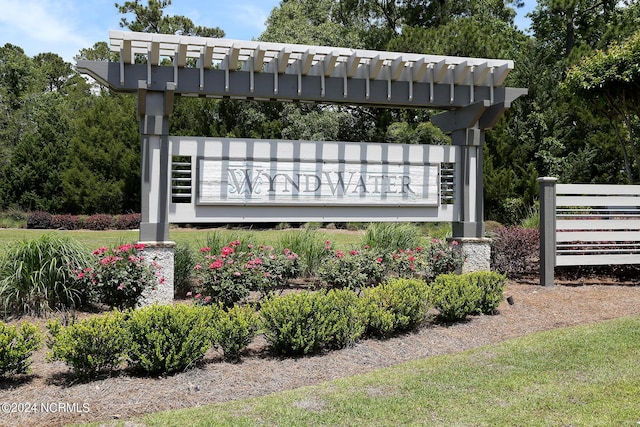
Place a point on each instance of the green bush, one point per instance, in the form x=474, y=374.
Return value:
x=396, y=305
x=455, y=296
x=90, y=346
x=16, y=347
x=347, y=318
x=234, y=329
x=491, y=289
x=443, y=258
x=387, y=237
x=353, y=269
x=37, y=276
x=168, y=339
x=306, y=322
x=119, y=276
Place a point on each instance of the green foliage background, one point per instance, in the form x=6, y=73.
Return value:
x=68, y=146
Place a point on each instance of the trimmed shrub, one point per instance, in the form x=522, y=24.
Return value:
x=127, y=221
x=347, y=319
x=39, y=220
x=16, y=347
x=98, y=222
x=234, y=329
x=168, y=339
x=454, y=296
x=306, y=322
x=65, y=222
x=37, y=276
x=515, y=251
x=491, y=286
x=90, y=346
x=396, y=305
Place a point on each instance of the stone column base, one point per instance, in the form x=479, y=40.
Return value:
x=477, y=253
x=160, y=254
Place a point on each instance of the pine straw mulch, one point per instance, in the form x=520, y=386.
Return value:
x=122, y=396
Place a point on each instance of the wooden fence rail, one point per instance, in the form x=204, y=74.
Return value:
x=587, y=224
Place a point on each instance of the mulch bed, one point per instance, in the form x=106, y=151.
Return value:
x=123, y=396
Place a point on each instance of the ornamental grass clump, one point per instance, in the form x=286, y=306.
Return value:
x=37, y=276
x=91, y=346
x=388, y=237
x=17, y=344
x=168, y=339
x=228, y=276
x=119, y=276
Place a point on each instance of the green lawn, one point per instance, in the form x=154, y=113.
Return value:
x=580, y=376
x=95, y=239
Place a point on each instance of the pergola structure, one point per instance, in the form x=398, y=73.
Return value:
x=158, y=67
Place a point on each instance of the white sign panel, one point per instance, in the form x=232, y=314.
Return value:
x=309, y=183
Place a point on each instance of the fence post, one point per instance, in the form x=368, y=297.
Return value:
x=547, y=229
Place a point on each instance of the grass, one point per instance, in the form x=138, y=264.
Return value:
x=195, y=238
x=581, y=376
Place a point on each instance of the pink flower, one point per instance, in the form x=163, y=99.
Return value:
x=189, y=293
x=132, y=258
x=379, y=259
x=237, y=274
x=207, y=298
x=100, y=251
x=138, y=246
x=353, y=252
x=121, y=286
x=454, y=243
x=367, y=247
x=339, y=254
x=412, y=258
x=419, y=249
x=198, y=296
x=216, y=264
x=227, y=251
x=80, y=275
x=207, y=249
x=198, y=267
x=161, y=281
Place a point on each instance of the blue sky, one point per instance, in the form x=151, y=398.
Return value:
x=66, y=26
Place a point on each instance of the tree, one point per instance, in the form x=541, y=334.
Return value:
x=150, y=19
x=610, y=81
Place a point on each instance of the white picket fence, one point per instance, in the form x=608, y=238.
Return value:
x=587, y=224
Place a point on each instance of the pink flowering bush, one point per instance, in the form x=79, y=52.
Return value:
x=120, y=275
x=229, y=276
x=443, y=258
x=353, y=269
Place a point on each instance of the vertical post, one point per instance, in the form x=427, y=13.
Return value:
x=547, y=230
x=468, y=228
x=154, y=109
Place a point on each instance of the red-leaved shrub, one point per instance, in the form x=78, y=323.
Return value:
x=515, y=251
x=65, y=222
x=127, y=221
x=98, y=222
x=39, y=220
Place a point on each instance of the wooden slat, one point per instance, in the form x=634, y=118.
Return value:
x=597, y=236
x=598, y=224
x=617, y=259
x=588, y=201
x=599, y=189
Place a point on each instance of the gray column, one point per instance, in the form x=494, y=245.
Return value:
x=547, y=230
x=469, y=183
x=154, y=109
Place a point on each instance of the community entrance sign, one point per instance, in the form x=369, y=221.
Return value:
x=192, y=179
